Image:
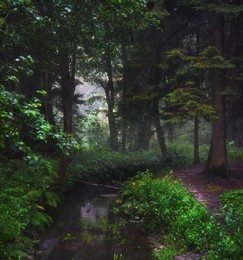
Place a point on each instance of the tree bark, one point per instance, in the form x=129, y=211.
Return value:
x=217, y=164
x=67, y=73
x=110, y=98
x=158, y=127
x=196, y=158
x=48, y=107
x=170, y=134
x=124, y=108
x=144, y=131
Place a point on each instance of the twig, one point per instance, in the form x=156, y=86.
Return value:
x=100, y=185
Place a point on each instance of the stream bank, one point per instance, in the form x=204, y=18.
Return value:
x=85, y=228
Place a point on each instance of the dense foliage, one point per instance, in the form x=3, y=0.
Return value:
x=21, y=123
x=166, y=208
x=233, y=214
x=98, y=165
x=25, y=195
x=162, y=65
x=107, y=166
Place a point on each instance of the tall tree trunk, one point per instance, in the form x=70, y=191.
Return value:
x=144, y=131
x=124, y=108
x=155, y=80
x=67, y=90
x=124, y=131
x=158, y=127
x=217, y=164
x=110, y=98
x=196, y=158
x=113, y=142
x=67, y=73
x=170, y=133
x=48, y=108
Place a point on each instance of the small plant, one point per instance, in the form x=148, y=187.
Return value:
x=165, y=254
x=234, y=152
x=118, y=256
x=179, y=154
x=24, y=194
x=100, y=165
x=165, y=207
x=233, y=215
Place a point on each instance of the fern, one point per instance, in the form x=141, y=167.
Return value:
x=52, y=199
x=40, y=219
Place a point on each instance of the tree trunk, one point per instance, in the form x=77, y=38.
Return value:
x=158, y=127
x=144, y=131
x=217, y=164
x=170, y=133
x=124, y=108
x=110, y=98
x=48, y=108
x=155, y=80
x=196, y=158
x=48, y=100
x=67, y=73
x=113, y=142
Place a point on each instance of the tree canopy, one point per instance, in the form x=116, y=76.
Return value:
x=162, y=65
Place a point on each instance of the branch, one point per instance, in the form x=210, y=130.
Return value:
x=100, y=185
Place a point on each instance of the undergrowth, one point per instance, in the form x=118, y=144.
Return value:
x=100, y=165
x=166, y=208
x=233, y=215
x=25, y=192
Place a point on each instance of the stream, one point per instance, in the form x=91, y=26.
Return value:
x=85, y=229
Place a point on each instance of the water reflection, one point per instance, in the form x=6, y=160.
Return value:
x=87, y=230
x=92, y=212
x=88, y=237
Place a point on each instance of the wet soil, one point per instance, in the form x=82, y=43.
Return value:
x=206, y=189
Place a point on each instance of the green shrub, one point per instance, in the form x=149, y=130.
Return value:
x=100, y=165
x=234, y=152
x=24, y=193
x=180, y=154
x=165, y=254
x=155, y=202
x=195, y=228
x=233, y=215
x=165, y=207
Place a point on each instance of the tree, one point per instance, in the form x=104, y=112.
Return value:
x=217, y=160
x=220, y=15
x=17, y=113
x=103, y=49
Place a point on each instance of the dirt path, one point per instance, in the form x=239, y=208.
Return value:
x=208, y=190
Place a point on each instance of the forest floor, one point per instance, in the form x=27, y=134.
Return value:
x=207, y=189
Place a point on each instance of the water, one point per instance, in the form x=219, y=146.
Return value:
x=86, y=229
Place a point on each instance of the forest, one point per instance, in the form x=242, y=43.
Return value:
x=164, y=81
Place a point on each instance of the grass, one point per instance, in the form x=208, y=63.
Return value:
x=166, y=208
x=26, y=189
x=100, y=165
